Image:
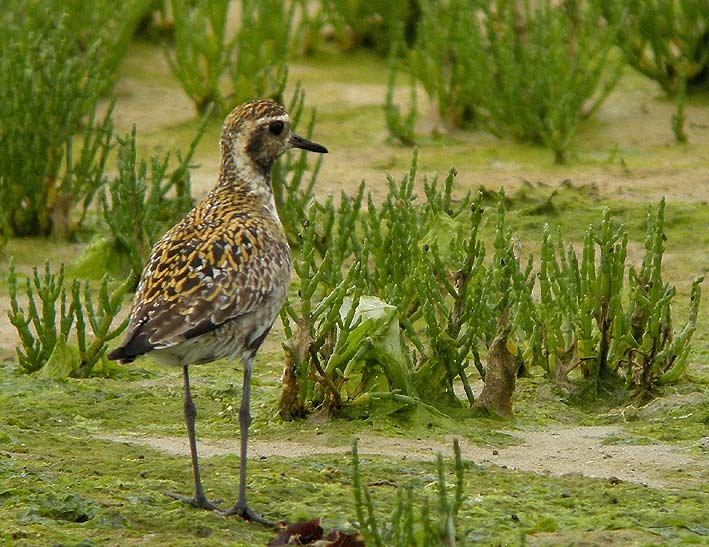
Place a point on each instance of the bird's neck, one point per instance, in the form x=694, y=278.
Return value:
x=247, y=184
x=242, y=165
x=245, y=178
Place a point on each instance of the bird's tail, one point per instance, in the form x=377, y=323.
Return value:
x=120, y=355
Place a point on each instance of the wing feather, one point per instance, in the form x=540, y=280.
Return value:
x=198, y=279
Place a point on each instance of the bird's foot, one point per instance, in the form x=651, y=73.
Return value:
x=246, y=513
x=197, y=501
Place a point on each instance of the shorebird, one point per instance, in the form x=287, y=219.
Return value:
x=216, y=281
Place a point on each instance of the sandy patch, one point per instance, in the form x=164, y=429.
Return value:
x=561, y=451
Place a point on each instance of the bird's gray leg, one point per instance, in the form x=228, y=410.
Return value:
x=241, y=508
x=199, y=499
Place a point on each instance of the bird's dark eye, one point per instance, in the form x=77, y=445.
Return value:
x=276, y=127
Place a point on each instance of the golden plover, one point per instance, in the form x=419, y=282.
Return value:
x=216, y=281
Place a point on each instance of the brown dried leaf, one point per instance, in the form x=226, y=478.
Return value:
x=337, y=538
x=311, y=534
x=300, y=533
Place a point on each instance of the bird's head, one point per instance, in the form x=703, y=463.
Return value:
x=256, y=133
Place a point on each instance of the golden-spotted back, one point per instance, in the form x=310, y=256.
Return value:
x=216, y=281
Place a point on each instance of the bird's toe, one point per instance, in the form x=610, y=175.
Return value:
x=245, y=512
x=200, y=502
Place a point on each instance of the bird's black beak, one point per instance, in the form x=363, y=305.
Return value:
x=296, y=141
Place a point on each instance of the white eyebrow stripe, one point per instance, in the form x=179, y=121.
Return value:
x=283, y=118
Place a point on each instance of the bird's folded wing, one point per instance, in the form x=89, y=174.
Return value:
x=192, y=287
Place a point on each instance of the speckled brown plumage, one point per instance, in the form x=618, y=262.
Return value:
x=226, y=261
x=216, y=281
